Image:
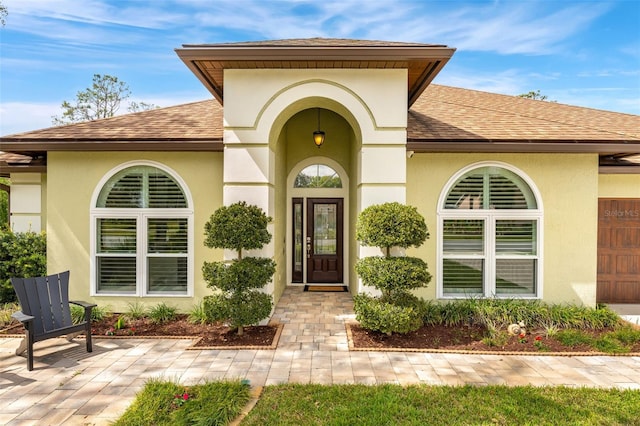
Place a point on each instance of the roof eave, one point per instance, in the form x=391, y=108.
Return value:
x=522, y=146
x=190, y=54
x=46, y=145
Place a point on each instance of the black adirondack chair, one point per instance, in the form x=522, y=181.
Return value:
x=46, y=312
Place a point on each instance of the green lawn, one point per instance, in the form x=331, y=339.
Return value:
x=443, y=405
x=217, y=403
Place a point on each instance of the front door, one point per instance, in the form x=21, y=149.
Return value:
x=324, y=240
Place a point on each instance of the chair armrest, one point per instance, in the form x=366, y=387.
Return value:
x=23, y=318
x=87, y=309
x=83, y=304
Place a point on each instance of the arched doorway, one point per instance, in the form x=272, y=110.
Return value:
x=317, y=223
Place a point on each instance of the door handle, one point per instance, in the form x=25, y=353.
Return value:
x=308, y=250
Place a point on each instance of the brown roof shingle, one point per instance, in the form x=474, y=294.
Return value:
x=317, y=42
x=450, y=113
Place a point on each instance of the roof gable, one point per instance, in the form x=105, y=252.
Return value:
x=422, y=61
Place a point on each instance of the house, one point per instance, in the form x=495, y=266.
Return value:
x=523, y=198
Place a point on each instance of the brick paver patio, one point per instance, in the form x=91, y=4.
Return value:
x=70, y=386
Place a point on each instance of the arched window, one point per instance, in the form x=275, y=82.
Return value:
x=142, y=229
x=317, y=176
x=490, y=235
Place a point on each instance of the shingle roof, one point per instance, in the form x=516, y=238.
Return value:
x=450, y=113
x=188, y=122
x=442, y=116
x=318, y=42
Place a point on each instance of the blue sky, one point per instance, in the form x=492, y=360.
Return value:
x=584, y=53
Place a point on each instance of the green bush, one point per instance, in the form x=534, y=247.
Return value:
x=240, y=274
x=391, y=225
x=4, y=205
x=238, y=309
x=627, y=335
x=374, y=314
x=197, y=314
x=162, y=313
x=390, y=274
x=98, y=313
x=6, y=310
x=135, y=310
x=238, y=227
x=23, y=254
x=499, y=313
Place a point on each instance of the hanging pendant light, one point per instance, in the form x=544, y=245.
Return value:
x=318, y=135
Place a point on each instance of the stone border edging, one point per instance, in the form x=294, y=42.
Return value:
x=192, y=347
x=467, y=352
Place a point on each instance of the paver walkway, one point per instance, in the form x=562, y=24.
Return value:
x=70, y=386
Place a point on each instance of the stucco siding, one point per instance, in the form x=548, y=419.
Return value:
x=619, y=186
x=72, y=179
x=568, y=188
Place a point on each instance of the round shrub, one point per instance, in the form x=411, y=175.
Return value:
x=391, y=225
x=240, y=274
x=237, y=227
x=238, y=309
x=388, y=274
x=374, y=314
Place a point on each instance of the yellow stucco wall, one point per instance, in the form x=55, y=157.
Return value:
x=71, y=181
x=619, y=186
x=568, y=186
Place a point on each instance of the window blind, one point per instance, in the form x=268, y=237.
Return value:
x=142, y=187
x=490, y=188
x=515, y=237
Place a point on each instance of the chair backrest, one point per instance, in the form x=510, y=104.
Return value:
x=46, y=299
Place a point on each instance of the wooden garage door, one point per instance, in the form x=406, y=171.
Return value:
x=619, y=250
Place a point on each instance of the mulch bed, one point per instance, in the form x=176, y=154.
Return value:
x=466, y=338
x=441, y=338
x=210, y=335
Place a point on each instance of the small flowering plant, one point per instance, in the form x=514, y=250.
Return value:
x=522, y=337
x=109, y=332
x=180, y=399
x=538, y=343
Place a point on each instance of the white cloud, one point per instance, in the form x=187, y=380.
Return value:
x=506, y=28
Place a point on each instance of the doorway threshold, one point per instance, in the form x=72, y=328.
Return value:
x=328, y=288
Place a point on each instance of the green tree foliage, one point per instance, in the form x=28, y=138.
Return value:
x=397, y=310
x=238, y=300
x=534, y=95
x=101, y=100
x=140, y=106
x=4, y=204
x=3, y=14
x=23, y=254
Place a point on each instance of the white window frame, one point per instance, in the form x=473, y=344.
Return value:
x=490, y=217
x=141, y=216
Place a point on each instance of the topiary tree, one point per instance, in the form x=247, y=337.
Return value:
x=386, y=226
x=238, y=301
